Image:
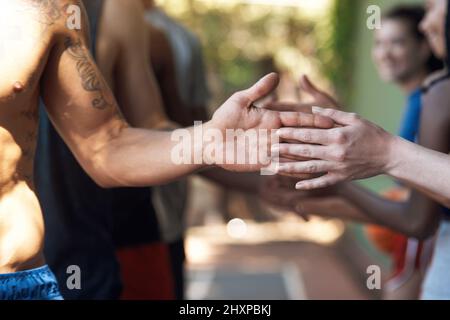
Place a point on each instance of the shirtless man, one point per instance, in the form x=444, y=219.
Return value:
x=46, y=57
x=78, y=214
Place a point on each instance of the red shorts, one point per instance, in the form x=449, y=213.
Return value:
x=146, y=272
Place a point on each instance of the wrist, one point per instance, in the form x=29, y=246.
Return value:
x=209, y=158
x=394, y=154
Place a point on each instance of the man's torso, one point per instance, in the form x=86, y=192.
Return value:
x=25, y=38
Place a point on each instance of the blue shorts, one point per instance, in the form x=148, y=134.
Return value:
x=36, y=284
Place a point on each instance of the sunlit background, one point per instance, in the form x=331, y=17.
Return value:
x=246, y=39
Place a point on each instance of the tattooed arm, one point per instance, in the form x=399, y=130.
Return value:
x=85, y=113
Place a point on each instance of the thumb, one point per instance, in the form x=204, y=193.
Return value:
x=262, y=88
x=308, y=86
x=340, y=117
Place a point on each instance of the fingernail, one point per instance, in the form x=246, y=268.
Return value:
x=316, y=109
x=299, y=186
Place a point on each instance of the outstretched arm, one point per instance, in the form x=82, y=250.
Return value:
x=361, y=149
x=279, y=192
x=84, y=111
x=356, y=150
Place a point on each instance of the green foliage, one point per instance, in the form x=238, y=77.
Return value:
x=243, y=41
x=337, y=50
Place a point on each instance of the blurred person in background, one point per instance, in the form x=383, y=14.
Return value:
x=176, y=55
x=403, y=57
x=177, y=59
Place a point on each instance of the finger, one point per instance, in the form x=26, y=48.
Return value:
x=287, y=157
x=340, y=117
x=274, y=169
x=300, y=176
x=301, y=150
x=300, y=119
x=302, y=212
x=307, y=167
x=319, y=183
x=313, y=136
x=262, y=88
x=308, y=86
x=289, y=107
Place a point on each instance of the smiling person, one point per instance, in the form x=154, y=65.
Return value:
x=54, y=62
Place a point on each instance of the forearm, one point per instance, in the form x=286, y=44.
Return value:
x=423, y=169
x=378, y=210
x=244, y=182
x=137, y=157
x=334, y=208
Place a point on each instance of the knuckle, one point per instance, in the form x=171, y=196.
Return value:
x=304, y=151
x=354, y=117
x=240, y=97
x=287, y=168
x=311, y=168
x=306, y=136
x=340, y=154
x=281, y=148
x=340, y=137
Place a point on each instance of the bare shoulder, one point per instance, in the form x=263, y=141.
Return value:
x=158, y=38
x=29, y=29
x=434, y=77
x=436, y=99
x=51, y=12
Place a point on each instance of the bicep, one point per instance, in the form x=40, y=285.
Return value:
x=77, y=98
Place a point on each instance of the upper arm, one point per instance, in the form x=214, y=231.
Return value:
x=162, y=59
x=435, y=118
x=78, y=100
x=434, y=134
x=135, y=85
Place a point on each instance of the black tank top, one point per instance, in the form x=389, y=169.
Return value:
x=78, y=214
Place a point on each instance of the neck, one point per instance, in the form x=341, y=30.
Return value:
x=413, y=83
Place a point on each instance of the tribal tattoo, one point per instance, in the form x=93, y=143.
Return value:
x=90, y=79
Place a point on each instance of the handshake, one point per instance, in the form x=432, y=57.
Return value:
x=319, y=147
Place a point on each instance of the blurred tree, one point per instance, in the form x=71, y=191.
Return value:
x=337, y=50
x=240, y=38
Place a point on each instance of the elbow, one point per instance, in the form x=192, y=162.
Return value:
x=102, y=180
x=105, y=183
x=103, y=173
